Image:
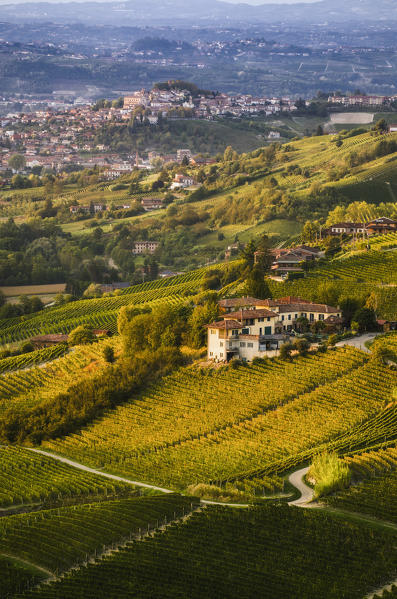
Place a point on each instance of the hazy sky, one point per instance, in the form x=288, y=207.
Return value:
x=254, y=2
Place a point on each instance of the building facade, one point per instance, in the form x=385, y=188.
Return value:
x=252, y=328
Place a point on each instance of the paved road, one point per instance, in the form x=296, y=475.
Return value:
x=307, y=494
x=358, y=341
x=99, y=472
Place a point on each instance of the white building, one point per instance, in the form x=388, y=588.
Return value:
x=145, y=247
x=257, y=328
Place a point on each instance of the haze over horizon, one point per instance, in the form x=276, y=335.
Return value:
x=251, y=2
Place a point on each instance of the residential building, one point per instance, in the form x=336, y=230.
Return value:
x=145, y=247
x=181, y=181
x=253, y=327
x=152, y=203
x=381, y=226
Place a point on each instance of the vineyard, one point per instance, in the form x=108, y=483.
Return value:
x=33, y=479
x=377, y=495
x=60, y=538
x=25, y=387
x=268, y=552
x=220, y=431
x=32, y=358
x=102, y=312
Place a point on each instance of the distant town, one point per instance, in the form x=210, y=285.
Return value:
x=61, y=136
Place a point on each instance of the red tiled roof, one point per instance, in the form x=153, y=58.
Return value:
x=225, y=325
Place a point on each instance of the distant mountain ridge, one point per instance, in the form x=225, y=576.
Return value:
x=203, y=13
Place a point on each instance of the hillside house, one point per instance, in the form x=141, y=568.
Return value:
x=345, y=229
x=145, y=247
x=181, y=181
x=381, y=226
x=149, y=204
x=252, y=327
x=41, y=341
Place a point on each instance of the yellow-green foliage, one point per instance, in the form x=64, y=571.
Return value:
x=329, y=474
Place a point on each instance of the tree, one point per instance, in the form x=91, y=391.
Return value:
x=256, y=285
x=201, y=316
x=108, y=354
x=366, y=319
x=248, y=254
x=328, y=293
x=81, y=335
x=17, y=162
x=285, y=351
x=302, y=324
x=320, y=130
x=302, y=346
x=310, y=231
x=349, y=307
x=93, y=290
x=381, y=127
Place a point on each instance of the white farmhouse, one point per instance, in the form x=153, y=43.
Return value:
x=252, y=327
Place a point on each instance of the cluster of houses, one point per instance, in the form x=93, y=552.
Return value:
x=56, y=135
x=162, y=102
x=251, y=328
x=361, y=100
x=148, y=204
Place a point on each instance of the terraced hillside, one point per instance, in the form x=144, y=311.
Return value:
x=359, y=275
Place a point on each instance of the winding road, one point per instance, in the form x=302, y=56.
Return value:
x=296, y=480
x=98, y=472
x=307, y=494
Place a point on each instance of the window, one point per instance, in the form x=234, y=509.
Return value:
x=289, y=316
x=321, y=316
x=221, y=344
x=250, y=345
x=261, y=319
x=213, y=332
x=245, y=331
x=234, y=332
x=221, y=355
x=282, y=318
x=268, y=330
x=242, y=343
x=311, y=317
x=211, y=353
x=268, y=319
x=296, y=316
x=304, y=314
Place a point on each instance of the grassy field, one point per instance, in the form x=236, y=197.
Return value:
x=45, y=292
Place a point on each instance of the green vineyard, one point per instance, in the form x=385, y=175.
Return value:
x=221, y=431
x=33, y=479
x=60, y=538
x=23, y=388
x=102, y=312
x=377, y=495
x=32, y=358
x=268, y=552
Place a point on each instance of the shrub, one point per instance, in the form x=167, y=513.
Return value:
x=329, y=474
x=81, y=335
x=108, y=354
